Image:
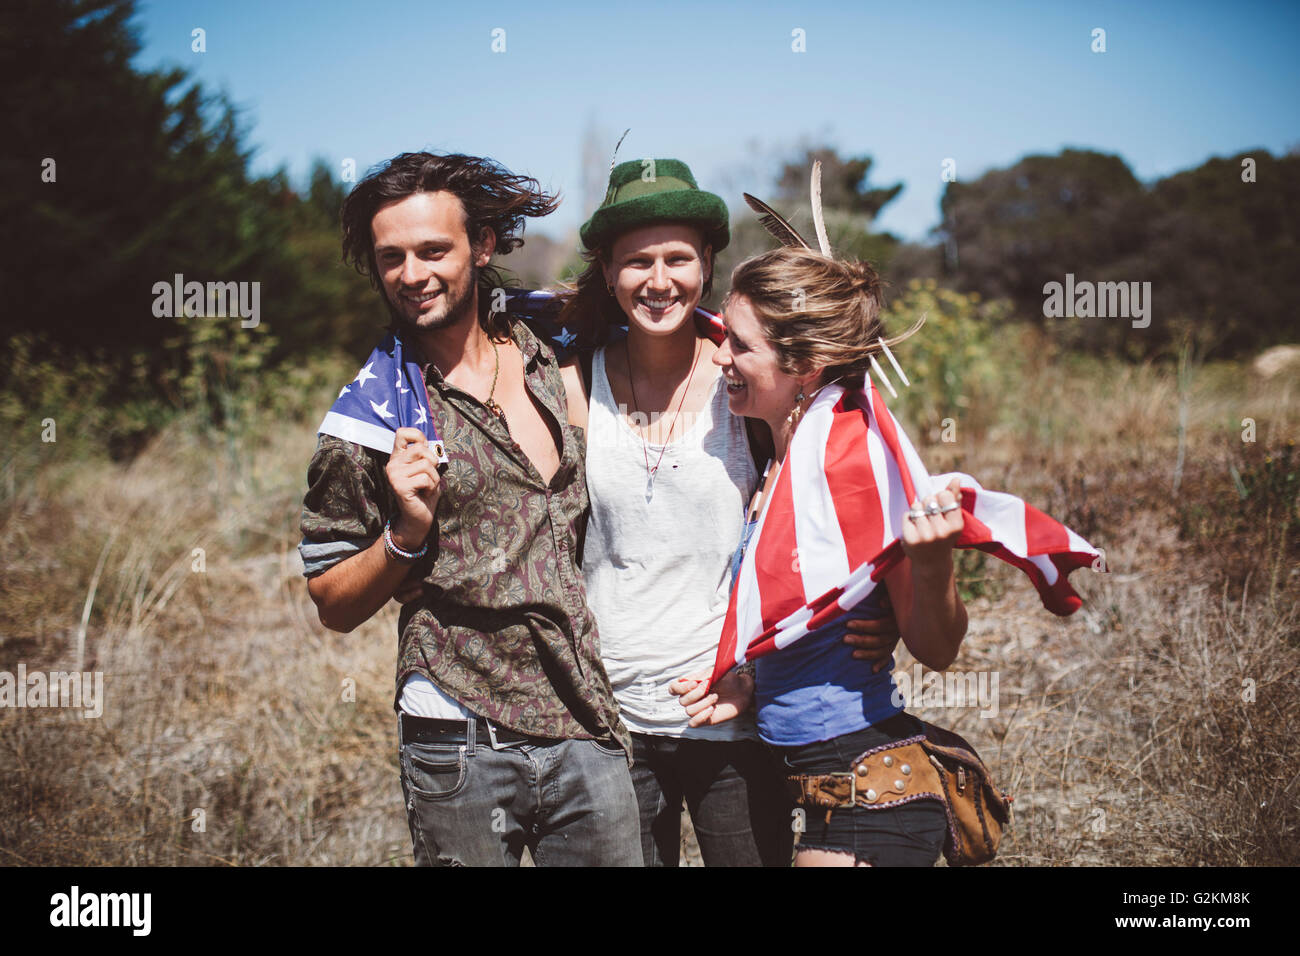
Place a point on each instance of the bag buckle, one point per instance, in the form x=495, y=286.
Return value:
x=853, y=791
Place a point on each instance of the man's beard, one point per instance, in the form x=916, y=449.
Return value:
x=457, y=310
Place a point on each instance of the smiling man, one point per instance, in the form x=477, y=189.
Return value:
x=510, y=736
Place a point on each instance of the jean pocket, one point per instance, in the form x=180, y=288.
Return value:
x=615, y=751
x=434, y=772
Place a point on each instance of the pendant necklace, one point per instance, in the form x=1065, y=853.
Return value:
x=645, y=449
x=490, y=402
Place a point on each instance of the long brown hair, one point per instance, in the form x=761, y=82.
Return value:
x=817, y=312
x=492, y=196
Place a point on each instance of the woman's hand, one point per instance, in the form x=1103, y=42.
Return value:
x=928, y=540
x=733, y=695
x=923, y=588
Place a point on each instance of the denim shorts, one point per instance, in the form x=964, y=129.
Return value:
x=910, y=835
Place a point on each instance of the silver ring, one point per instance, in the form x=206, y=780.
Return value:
x=952, y=507
x=933, y=508
x=915, y=515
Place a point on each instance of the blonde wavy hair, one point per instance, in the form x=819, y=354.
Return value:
x=817, y=312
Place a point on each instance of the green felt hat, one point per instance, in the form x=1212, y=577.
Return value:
x=641, y=194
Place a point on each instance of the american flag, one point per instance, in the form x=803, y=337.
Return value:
x=832, y=528
x=541, y=308
x=387, y=394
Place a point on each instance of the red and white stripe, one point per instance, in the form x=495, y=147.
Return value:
x=832, y=528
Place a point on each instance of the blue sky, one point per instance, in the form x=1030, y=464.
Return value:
x=719, y=86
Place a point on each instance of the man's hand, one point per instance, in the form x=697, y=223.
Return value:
x=733, y=695
x=412, y=472
x=874, y=640
x=354, y=589
x=409, y=591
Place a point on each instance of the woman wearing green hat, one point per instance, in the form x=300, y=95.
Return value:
x=669, y=473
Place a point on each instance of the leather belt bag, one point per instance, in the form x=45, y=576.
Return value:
x=937, y=765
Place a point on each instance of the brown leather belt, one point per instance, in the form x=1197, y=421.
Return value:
x=885, y=776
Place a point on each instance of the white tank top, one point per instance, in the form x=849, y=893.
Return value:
x=657, y=557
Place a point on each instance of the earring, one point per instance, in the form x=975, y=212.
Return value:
x=796, y=413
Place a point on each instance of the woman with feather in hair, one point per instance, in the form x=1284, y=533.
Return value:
x=850, y=500
x=818, y=707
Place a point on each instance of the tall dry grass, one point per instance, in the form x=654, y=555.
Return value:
x=1127, y=733
x=223, y=693
x=1157, y=725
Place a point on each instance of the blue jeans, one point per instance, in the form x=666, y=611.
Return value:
x=570, y=802
x=734, y=790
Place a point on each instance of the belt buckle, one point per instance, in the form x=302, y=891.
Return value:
x=853, y=787
x=492, y=736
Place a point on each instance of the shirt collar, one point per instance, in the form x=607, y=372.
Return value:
x=528, y=343
x=523, y=337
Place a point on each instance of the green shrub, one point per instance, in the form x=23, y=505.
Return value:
x=954, y=362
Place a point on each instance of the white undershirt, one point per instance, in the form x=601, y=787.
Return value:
x=421, y=697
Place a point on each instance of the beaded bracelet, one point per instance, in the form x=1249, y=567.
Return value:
x=396, y=553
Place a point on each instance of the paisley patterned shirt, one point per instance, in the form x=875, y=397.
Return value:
x=503, y=625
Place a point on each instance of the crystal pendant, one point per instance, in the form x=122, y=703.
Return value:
x=650, y=484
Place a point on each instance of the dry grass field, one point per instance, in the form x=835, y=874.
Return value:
x=1155, y=726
